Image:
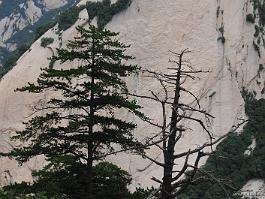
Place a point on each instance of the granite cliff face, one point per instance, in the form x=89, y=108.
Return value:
x=217, y=33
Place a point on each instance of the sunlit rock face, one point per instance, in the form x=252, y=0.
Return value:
x=220, y=40
x=54, y=4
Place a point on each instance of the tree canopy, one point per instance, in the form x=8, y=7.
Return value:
x=79, y=124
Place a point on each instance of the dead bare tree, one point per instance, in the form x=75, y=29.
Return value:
x=172, y=129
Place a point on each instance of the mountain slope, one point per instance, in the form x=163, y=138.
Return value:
x=18, y=20
x=221, y=40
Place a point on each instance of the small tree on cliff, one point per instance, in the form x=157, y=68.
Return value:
x=79, y=125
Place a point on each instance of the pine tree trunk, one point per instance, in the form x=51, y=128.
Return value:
x=91, y=114
x=86, y=181
x=90, y=176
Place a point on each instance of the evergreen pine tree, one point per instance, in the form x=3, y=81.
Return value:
x=80, y=126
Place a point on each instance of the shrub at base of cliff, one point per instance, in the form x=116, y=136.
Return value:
x=12, y=195
x=230, y=162
x=110, y=181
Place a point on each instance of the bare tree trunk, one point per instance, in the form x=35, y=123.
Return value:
x=166, y=185
x=170, y=149
x=174, y=182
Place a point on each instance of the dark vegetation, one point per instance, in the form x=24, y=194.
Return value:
x=221, y=31
x=12, y=59
x=222, y=39
x=110, y=181
x=47, y=21
x=259, y=13
x=259, y=6
x=257, y=30
x=7, y=7
x=229, y=161
x=256, y=48
x=68, y=16
x=79, y=127
x=67, y=147
x=104, y=11
x=24, y=38
x=250, y=18
x=40, y=30
x=45, y=41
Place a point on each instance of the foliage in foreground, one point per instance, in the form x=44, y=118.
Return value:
x=110, y=181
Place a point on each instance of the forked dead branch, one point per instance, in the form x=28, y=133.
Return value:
x=175, y=114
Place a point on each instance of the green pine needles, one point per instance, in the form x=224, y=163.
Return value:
x=81, y=125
